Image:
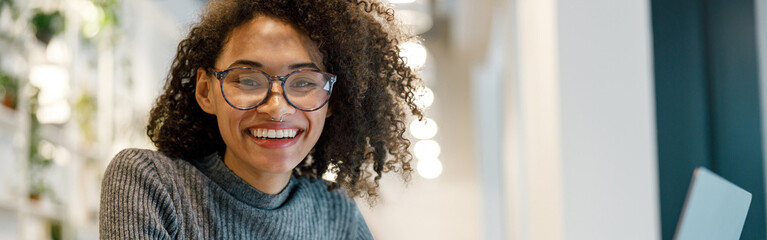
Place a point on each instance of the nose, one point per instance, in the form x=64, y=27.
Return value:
x=276, y=106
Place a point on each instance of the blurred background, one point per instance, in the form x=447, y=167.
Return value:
x=547, y=119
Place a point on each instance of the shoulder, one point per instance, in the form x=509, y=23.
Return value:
x=140, y=161
x=136, y=196
x=336, y=202
x=139, y=166
x=336, y=206
x=319, y=189
x=133, y=156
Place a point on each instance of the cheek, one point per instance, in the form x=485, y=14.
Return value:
x=226, y=125
x=228, y=121
x=317, y=123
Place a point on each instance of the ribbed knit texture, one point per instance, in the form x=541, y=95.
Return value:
x=146, y=195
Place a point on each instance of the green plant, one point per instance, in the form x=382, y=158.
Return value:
x=47, y=24
x=85, y=108
x=37, y=189
x=10, y=4
x=107, y=20
x=9, y=90
x=37, y=162
x=109, y=7
x=56, y=228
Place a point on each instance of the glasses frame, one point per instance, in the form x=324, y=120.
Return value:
x=222, y=75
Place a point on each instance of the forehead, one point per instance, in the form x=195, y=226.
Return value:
x=270, y=41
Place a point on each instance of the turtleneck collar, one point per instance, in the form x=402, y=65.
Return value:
x=213, y=166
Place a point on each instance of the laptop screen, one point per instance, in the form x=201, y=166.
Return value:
x=714, y=209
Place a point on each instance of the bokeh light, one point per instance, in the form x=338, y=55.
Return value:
x=423, y=129
x=424, y=97
x=426, y=149
x=429, y=168
x=414, y=53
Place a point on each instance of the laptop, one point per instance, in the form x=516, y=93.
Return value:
x=714, y=208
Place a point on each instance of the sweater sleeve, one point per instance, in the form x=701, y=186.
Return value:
x=134, y=202
x=362, y=230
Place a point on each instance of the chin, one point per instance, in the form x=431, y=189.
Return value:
x=276, y=167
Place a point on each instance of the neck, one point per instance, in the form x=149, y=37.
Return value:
x=269, y=183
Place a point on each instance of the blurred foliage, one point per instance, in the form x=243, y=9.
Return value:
x=10, y=4
x=56, y=228
x=104, y=26
x=109, y=7
x=47, y=24
x=5, y=36
x=9, y=90
x=37, y=162
x=85, y=107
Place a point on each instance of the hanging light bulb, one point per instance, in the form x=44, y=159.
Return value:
x=423, y=129
x=57, y=51
x=426, y=149
x=429, y=168
x=414, y=53
x=53, y=82
x=424, y=97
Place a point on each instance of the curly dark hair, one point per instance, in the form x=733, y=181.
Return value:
x=358, y=39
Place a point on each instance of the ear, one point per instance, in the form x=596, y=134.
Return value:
x=204, y=92
x=330, y=112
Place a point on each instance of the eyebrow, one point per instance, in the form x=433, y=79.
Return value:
x=246, y=63
x=303, y=65
x=255, y=64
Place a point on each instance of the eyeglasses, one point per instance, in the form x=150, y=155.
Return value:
x=247, y=88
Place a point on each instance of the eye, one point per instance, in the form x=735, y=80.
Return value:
x=249, y=82
x=303, y=83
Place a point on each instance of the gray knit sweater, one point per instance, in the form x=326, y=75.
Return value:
x=147, y=195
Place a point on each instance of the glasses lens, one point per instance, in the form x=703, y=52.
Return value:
x=245, y=88
x=307, y=89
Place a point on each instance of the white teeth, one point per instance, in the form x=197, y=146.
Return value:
x=274, y=133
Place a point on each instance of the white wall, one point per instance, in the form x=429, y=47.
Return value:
x=609, y=156
x=151, y=33
x=450, y=206
x=581, y=147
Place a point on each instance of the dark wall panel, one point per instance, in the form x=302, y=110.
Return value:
x=681, y=102
x=734, y=98
x=707, y=101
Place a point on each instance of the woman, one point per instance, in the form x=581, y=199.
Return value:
x=262, y=99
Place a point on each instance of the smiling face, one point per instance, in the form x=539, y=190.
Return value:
x=252, y=151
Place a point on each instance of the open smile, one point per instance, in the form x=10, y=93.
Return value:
x=275, y=138
x=265, y=133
